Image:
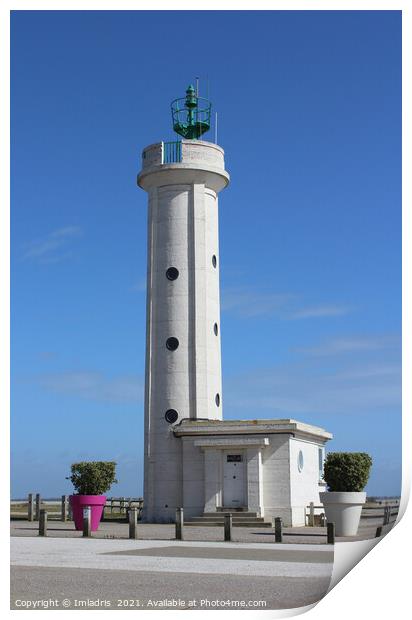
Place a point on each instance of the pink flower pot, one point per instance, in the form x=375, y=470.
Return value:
x=96, y=503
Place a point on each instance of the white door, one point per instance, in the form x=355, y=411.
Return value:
x=233, y=480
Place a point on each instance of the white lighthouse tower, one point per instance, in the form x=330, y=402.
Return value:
x=195, y=460
x=183, y=359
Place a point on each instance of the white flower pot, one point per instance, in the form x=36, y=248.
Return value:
x=343, y=508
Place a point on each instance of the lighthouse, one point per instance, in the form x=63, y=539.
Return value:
x=183, y=354
x=193, y=458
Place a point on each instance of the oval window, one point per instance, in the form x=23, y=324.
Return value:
x=217, y=400
x=171, y=416
x=172, y=343
x=214, y=261
x=215, y=329
x=300, y=460
x=172, y=273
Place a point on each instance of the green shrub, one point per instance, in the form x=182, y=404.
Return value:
x=93, y=477
x=347, y=471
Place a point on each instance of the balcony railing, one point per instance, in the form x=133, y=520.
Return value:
x=172, y=152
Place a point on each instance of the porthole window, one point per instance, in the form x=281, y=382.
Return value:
x=215, y=329
x=172, y=343
x=172, y=273
x=300, y=460
x=214, y=261
x=171, y=416
x=217, y=400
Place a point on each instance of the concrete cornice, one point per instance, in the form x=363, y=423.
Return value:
x=184, y=173
x=249, y=427
x=232, y=442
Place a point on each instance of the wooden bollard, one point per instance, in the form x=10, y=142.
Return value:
x=378, y=531
x=64, y=508
x=386, y=515
x=132, y=523
x=278, y=530
x=312, y=514
x=30, y=507
x=330, y=530
x=69, y=510
x=179, y=524
x=43, y=523
x=37, y=517
x=228, y=527
x=87, y=521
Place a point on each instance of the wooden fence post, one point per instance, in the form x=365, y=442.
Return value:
x=64, y=508
x=330, y=533
x=43, y=523
x=30, y=507
x=312, y=514
x=37, y=517
x=87, y=517
x=387, y=515
x=132, y=523
x=228, y=527
x=69, y=510
x=278, y=530
x=179, y=524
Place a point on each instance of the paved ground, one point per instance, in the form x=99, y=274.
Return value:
x=155, y=571
x=96, y=573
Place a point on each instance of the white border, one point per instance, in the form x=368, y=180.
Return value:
x=378, y=586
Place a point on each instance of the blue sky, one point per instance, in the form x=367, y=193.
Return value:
x=309, y=107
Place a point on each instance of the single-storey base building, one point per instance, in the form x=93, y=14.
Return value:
x=269, y=467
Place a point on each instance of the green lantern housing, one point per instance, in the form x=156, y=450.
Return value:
x=191, y=115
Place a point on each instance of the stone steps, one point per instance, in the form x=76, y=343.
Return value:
x=239, y=519
x=234, y=513
x=221, y=519
x=220, y=524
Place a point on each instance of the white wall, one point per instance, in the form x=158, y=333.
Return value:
x=304, y=484
x=193, y=479
x=276, y=478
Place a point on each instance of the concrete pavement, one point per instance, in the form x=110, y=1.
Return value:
x=168, y=574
